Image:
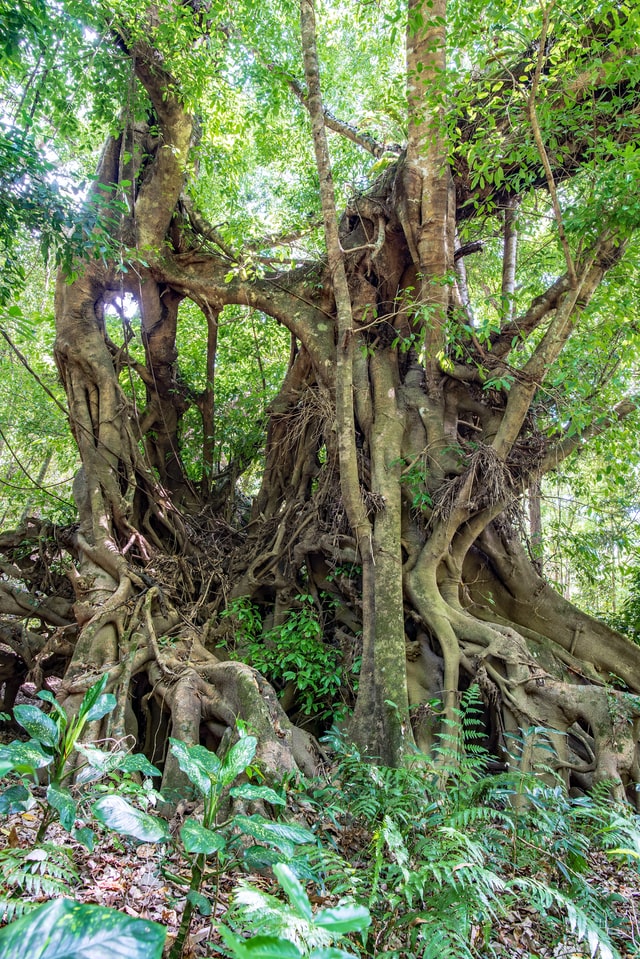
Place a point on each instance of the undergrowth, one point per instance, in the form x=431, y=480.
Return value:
x=430, y=861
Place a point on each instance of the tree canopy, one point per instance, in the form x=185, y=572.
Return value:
x=337, y=287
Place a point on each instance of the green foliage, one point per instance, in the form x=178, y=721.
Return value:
x=213, y=777
x=120, y=816
x=451, y=851
x=46, y=871
x=454, y=849
x=71, y=930
x=290, y=929
x=54, y=740
x=290, y=653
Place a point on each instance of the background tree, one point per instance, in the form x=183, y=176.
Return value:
x=452, y=339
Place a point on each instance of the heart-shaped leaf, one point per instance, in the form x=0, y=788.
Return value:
x=39, y=725
x=63, y=929
x=197, y=839
x=200, y=902
x=116, y=813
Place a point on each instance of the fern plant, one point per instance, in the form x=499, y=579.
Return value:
x=29, y=875
x=290, y=929
x=447, y=862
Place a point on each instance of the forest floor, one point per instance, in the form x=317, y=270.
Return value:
x=150, y=880
x=135, y=878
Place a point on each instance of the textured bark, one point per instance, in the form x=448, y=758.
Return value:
x=391, y=474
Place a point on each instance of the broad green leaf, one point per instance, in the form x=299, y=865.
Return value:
x=197, y=838
x=63, y=929
x=259, y=947
x=117, y=814
x=38, y=724
x=48, y=697
x=251, y=792
x=293, y=888
x=274, y=832
x=237, y=759
x=15, y=799
x=23, y=758
x=91, y=697
x=64, y=805
x=100, y=762
x=200, y=901
x=103, y=705
x=260, y=858
x=138, y=763
x=200, y=764
x=342, y=919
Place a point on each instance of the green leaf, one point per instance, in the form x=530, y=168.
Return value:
x=293, y=888
x=138, y=763
x=64, y=805
x=91, y=697
x=200, y=901
x=259, y=947
x=23, y=758
x=343, y=919
x=15, y=799
x=251, y=792
x=274, y=832
x=237, y=759
x=200, y=764
x=63, y=929
x=100, y=762
x=85, y=836
x=103, y=705
x=39, y=725
x=48, y=697
x=260, y=858
x=117, y=814
x=196, y=838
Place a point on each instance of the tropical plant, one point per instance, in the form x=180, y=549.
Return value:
x=291, y=655
x=72, y=930
x=290, y=930
x=213, y=779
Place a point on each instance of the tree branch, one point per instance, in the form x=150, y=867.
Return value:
x=559, y=452
x=544, y=157
x=347, y=130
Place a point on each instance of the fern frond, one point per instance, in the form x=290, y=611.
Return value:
x=44, y=872
x=580, y=924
